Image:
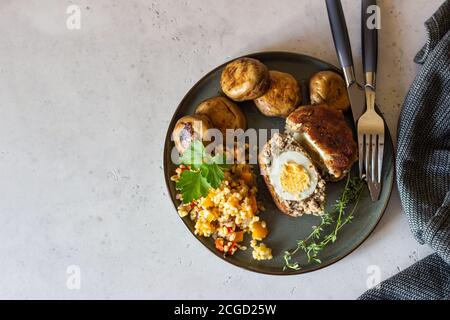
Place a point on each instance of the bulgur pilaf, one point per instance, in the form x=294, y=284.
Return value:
x=229, y=212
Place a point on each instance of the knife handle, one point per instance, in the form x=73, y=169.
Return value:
x=369, y=41
x=340, y=33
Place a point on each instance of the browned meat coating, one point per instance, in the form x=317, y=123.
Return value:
x=323, y=131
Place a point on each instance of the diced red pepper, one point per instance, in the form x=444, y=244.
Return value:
x=233, y=245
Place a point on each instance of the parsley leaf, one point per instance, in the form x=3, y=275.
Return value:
x=205, y=172
x=193, y=185
x=194, y=154
x=213, y=174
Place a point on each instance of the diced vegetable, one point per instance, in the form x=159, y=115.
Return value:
x=232, y=248
x=219, y=244
x=234, y=201
x=259, y=231
x=207, y=202
x=238, y=236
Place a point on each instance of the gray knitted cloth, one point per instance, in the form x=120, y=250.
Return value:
x=423, y=168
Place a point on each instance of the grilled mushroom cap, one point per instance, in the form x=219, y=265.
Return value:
x=245, y=79
x=329, y=87
x=223, y=113
x=282, y=97
x=188, y=129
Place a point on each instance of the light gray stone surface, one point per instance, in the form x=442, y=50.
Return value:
x=82, y=123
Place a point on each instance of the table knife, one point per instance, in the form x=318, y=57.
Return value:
x=342, y=44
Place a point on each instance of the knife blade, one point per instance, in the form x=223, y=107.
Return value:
x=356, y=94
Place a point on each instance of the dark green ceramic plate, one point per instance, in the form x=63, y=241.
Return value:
x=284, y=230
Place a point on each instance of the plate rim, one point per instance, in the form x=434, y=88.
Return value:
x=216, y=253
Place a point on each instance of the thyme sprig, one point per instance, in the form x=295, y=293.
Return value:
x=315, y=242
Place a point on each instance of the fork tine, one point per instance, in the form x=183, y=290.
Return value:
x=380, y=155
x=372, y=127
x=373, y=170
x=366, y=156
x=361, y=154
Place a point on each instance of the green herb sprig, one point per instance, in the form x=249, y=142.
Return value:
x=205, y=172
x=314, y=243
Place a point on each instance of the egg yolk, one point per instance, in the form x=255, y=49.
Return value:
x=294, y=178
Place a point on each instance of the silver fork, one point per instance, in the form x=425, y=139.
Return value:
x=371, y=145
x=370, y=125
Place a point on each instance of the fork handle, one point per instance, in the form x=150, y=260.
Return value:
x=369, y=23
x=340, y=33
